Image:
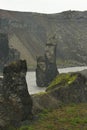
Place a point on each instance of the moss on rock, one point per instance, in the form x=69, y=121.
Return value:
x=63, y=79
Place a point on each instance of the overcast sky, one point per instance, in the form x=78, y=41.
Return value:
x=43, y=6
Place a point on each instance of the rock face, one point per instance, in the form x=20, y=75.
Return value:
x=15, y=101
x=7, y=54
x=4, y=49
x=72, y=88
x=46, y=69
x=51, y=67
x=41, y=72
x=64, y=89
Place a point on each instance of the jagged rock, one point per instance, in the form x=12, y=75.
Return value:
x=64, y=89
x=50, y=54
x=7, y=54
x=69, y=88
x=15, y=101
x=46, y=69
x=41, y=72
x=14, y=54
x=4, y=49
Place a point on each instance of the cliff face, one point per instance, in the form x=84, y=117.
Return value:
x=4, y=49
x=29, y=32
x=7, y=54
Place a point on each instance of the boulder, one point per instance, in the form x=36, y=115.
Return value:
x=69, y=88
x=64, y=89
x=15, y=101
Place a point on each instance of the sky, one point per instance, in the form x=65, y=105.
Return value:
x=43, y=6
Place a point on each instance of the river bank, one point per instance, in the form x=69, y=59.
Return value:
x=31, y=78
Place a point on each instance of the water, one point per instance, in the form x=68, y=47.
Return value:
x=31, y=82
x=31, y=78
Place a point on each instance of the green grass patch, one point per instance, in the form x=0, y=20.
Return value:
x=70, y=117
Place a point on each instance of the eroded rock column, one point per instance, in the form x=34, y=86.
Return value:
x=46, y=69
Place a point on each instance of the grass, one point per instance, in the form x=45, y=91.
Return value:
x=71, y=117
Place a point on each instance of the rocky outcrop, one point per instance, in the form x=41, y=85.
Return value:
x=14, y=54
x=15, y=101
x=46, y=69
x=64, y=89
x=41, y=80
x=7, y=53
x=50, y=55
x=4, y=49
x=72, y=88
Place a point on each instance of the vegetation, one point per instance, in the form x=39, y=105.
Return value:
x=71, y=117
x=63, y=79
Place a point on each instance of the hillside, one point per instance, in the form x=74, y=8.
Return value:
x=28, y=33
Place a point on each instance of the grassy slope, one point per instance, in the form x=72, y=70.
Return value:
x=71, y=117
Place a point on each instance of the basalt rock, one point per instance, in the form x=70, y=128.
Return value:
x=7, y=53
x=41, y=72
x=15, y=101
x=50, y=56
x=46, y=69
x=65, y=89
x=4, y=49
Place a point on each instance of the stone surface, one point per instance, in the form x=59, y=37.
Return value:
x=4, y=49
x=72, y=92
x=65, y=89
x=7, y=53
x=15, y=101
x=46, y=69
x=41, y=80
x=51, y=67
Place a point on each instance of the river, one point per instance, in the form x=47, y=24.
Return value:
x=31, y=78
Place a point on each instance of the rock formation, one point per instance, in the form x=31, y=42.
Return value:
x=64, y=89
x=14, y=54
x=50, y=55
x=4, y=49
x=41, y=72
x=15, y=101
x=46, y=69
x=7, y=54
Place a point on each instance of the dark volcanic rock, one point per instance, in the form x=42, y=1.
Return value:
x=46, y=69
x=7, y=54
x=50, y=55
x=68, y=88
x=41, y=72
x=15, y=101
x=64, y=89
x=4, y=49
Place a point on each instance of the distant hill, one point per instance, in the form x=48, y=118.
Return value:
x=28, y=33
